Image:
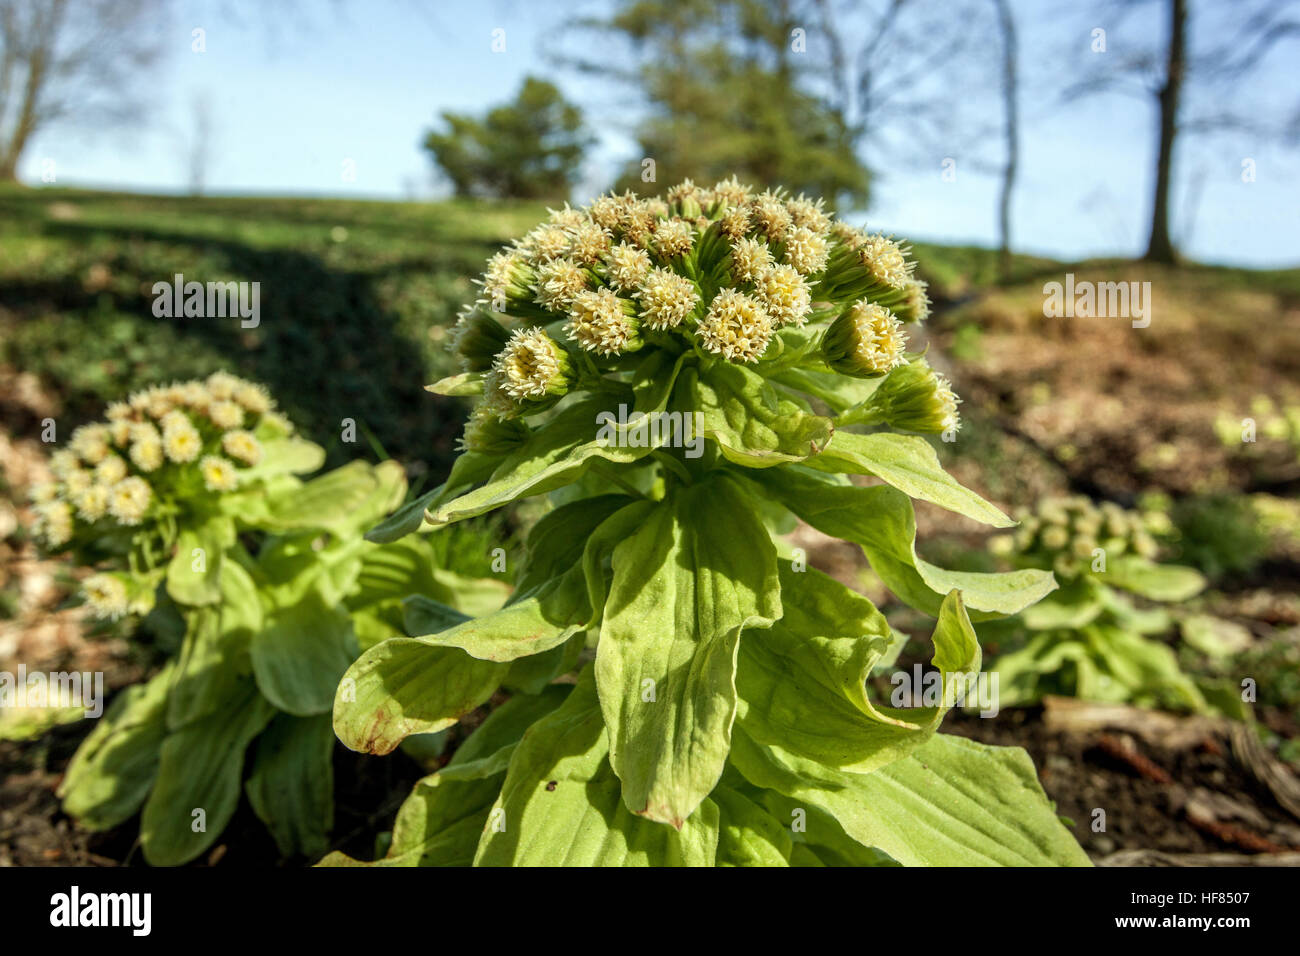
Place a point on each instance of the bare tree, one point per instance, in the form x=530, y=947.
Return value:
x=1011, y=129
x=66, y=60
x=200, y=151
x=1196, y=76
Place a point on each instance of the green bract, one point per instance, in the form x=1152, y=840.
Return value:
x=1088, y=639
x=681, y=694
x=274, y=591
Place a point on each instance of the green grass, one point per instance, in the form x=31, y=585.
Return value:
x=355, y=297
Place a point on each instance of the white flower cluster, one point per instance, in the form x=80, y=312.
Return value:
x=726, y=268
x=168, y=440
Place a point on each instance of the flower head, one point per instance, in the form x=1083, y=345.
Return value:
x=181, y=442
x=674, y=237
x=254, y=398
x=111, y=470
x=627, y=266
x=602, y=322
x=532, y=366
x=218, y=473
x=806, y=250
x=866, y=341
x=886, y=261
x=731, y=192
x=54, y=523
x=913, y=398
x=589, y=242
x=226, y=414
x=91, y=502
x=507, y=278
x=736, y=327
x=90, y=443
x=128, y=500
x=106, y=596
x=558, y=282
x=222, y=386
x=242, y=446
x=785, y=295
x=476, y=338
x=771, y=216
x=750, y=258
x=545, y=243
x=487, y=433
x=666, y=298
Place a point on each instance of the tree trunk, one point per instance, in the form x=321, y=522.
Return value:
x=1010, y=105
x=1161, y=248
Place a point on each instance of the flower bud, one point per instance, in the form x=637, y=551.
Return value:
x=866, y=341
x=489, y=434
x=532, y=366
x=914, y=398
x=476, y=339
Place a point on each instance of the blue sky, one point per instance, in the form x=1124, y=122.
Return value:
x=294, y=97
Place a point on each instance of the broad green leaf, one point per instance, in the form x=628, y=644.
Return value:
x=697, y=571
x=405, y=568
x=301, y=653
x=534, y=622
x=909, y=464
x=1020, y=671
x=441, y=822
x=356, y=493
x=214, y=661
x=1147, y=669
x=751, y=422
x=879, y=519
x=193, y=576
x=466, y=471
x=550, y=613
x=951, y=802
x=839, y=392
x=464, y=384
x=802, y=682
x=507, y=724
x=291, y=787
x=406, y=686
x=1159, y=582
x=556, y=542
x=285, y=456
x=561, y=803
x=819, y=839
x=113, y=769
x=1214, y=636
x=747, y=834
x=422, y=616
x=198, y=779
x=530, y=675
x=1073, y=606
x=552, y=456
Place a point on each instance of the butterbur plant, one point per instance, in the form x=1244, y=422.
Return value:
x=187, y=501
x=682, y=689
x=1089, y=639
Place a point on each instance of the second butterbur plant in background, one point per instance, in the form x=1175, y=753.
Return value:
x=684, y=691
x=1089, y=639
x=188, y=503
